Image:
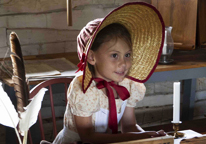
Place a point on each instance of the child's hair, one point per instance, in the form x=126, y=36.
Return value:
x=112, y=31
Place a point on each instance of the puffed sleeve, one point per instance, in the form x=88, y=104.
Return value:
x=137, y=92
x=82, y=104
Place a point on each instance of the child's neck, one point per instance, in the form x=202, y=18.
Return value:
x=106, y=80
x=116, y=96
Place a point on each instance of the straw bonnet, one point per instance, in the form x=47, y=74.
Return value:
x=146, y=27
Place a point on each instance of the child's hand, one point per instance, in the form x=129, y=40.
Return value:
x=156, y=133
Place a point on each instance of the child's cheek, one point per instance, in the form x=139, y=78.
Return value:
x=129, y=64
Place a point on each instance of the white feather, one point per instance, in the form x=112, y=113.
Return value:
x=9, y=116
x=29, y=117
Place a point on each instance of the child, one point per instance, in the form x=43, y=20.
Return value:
x=117, y=53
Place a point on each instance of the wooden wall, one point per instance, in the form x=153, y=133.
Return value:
x=188, y=19
x=182, y=16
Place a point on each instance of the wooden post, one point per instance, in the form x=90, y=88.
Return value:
x=69, y=12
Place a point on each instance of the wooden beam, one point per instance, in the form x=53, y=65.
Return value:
x=69, y=12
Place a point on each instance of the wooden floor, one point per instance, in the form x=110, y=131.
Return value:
x=195, y=125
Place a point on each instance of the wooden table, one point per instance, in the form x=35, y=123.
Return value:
x=188, y=135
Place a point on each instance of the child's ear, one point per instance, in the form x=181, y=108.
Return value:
x=90, y=57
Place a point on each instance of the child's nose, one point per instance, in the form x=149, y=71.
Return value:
x=122, y=62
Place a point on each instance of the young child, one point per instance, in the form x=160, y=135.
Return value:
x=117, y=53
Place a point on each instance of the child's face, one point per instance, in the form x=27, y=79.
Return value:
x=113, y=60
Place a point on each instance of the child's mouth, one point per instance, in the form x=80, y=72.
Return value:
x=120, y=73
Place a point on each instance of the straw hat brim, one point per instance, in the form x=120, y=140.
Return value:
x=146, y=27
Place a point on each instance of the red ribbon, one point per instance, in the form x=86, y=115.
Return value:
x=123, y=94
x=81, y=64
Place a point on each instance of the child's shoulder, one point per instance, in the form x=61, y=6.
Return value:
x=130, y=83
x=75, y=87
x=76, y=83
x=78, y=79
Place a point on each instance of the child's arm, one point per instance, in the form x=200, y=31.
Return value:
x=87, y=133
x=129, y=124
x=128, y=121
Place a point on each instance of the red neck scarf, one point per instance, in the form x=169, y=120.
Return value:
x=123, y=94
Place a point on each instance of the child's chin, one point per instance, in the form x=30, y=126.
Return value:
x=119, y=80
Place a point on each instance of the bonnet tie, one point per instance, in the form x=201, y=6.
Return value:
x=81, y=63
x=123, y=94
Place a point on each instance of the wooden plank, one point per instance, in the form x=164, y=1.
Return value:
x=180, y=66
x=156, y=140
x=182, y=16
x=174, y=75
x=195, y=140
x=201, y=23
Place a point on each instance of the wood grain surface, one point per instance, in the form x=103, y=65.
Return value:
x=182, y=16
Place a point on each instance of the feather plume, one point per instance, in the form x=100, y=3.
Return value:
x=9, y=116
x=19, y=79
x=29, y=117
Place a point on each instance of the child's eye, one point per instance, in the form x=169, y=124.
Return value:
x=114, y=55
x=128, y=55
